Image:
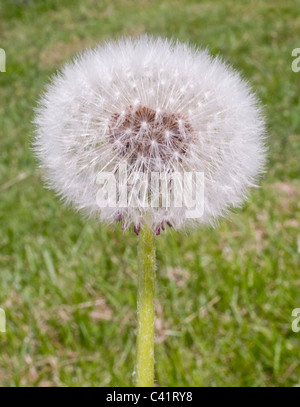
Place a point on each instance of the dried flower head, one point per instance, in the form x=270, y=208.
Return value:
x=150, y=106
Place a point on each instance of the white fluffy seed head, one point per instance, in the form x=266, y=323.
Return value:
x=154, y=106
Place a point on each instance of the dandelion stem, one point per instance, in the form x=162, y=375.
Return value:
x=145, y=308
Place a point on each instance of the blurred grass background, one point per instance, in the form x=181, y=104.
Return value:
x=224, y=296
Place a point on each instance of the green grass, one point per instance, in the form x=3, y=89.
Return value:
x=224, y=296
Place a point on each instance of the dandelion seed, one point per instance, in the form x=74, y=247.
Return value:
x=204, y=119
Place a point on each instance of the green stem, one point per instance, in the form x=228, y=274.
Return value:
x=145, y=308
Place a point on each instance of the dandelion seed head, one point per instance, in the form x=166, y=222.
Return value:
x=124, y=102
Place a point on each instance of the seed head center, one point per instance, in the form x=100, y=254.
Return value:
x=145, y=133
